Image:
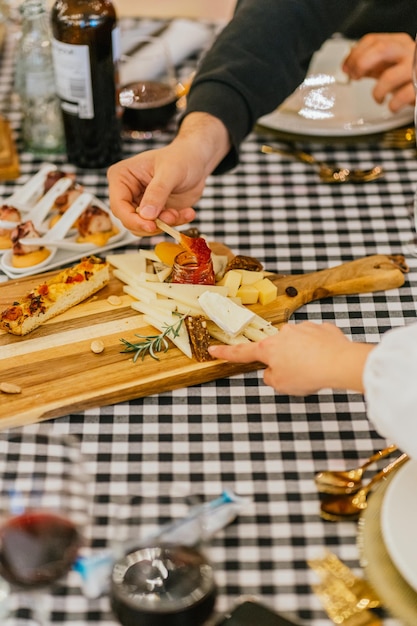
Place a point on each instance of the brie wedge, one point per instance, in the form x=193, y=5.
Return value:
x=229, y=316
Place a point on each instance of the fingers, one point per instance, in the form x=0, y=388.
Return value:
x=396, y=81
x=375, y=52
x=241, y=353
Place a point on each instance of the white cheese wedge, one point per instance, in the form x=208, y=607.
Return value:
x=231, y=317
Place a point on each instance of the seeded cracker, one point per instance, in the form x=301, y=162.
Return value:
x=199, y=337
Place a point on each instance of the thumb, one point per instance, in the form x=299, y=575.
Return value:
x=154, y=199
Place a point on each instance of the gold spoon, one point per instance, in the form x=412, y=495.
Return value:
x=329, y=173
x=349, y=481
x=349, y=507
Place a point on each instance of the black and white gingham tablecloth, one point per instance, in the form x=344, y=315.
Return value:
x=150, y=457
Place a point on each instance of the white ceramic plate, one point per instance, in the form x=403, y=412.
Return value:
x=399, y=519
x=62, y=257
x=327, y=104
x=398, y=596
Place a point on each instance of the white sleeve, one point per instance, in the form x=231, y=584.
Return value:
x=390, y=382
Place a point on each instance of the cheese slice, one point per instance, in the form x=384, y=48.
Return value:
x=231, y=317
x=131, y=263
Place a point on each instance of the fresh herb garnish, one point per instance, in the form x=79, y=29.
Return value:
x=153, y=343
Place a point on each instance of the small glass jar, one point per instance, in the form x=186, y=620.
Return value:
x=187, y=269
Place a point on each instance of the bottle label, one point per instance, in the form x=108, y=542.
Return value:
x=73, y=78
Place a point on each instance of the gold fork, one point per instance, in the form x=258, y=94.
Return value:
x=328, y=173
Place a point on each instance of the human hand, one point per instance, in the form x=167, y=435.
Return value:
x=387, y=57
x=303, y=358
x=165, y=183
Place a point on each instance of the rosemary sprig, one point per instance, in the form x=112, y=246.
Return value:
x=153, y=343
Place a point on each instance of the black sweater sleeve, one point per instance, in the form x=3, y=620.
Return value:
x=259, y=59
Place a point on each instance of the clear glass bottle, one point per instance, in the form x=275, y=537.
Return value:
x=86, y=52
x=42, y=126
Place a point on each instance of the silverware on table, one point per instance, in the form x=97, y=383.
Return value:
x=331, y=567
x=349, y=481
x=328, y=173
x=400, y=138
x=335, y=508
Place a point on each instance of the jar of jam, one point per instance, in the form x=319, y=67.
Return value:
x=188, y=269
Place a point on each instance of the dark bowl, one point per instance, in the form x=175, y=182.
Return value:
x=166, y=585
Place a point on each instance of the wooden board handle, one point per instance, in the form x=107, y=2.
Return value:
x=372, y=273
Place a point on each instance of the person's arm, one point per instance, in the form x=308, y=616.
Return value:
x=389, y=58
x=304, y=358
x=390, y=377
x=258, y=60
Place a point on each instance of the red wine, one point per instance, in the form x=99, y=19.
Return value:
x=147, y=105
x=37, y=548
x=85, y=51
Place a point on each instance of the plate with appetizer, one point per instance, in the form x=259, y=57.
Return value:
x=50, y=221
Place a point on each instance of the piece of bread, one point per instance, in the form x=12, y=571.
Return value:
x=56, y=295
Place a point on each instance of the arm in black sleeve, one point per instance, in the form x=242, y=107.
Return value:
x=258, y=60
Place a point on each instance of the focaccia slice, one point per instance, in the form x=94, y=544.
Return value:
x=56, y=295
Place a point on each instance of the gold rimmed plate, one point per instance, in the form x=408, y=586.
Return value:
x=398, y=597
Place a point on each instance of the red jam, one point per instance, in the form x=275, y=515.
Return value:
x=190, y=269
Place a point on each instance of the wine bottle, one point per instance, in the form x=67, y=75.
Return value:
x=85, y=49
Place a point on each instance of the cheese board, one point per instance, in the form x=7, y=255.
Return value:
x=58, y=373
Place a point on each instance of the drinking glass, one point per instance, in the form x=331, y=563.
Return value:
x=44, y=512
x=148, y=95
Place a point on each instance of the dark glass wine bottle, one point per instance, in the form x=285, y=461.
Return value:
x=85, y=51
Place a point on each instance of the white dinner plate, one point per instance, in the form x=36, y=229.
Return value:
x=399, y=521
x=398, y=597
x=327, y=104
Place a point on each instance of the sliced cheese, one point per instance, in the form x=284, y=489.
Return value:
x=131, y=263
x=187, y=294
x=231, y=317
x=139, y=293
x=219, y=334
x=181, y=340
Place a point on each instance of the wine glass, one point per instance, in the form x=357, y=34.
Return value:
x=148, y=93
x=44, y=511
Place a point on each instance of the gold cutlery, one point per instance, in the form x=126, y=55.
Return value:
x=400, y=138
x=341, y=606
x=331, y=566
x=328, y=173
x=349, y=507
x=349, y=481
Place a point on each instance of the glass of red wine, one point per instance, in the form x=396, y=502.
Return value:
x=148, y=94
x=44, y=513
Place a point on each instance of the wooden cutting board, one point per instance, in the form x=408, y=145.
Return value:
x=58, y=374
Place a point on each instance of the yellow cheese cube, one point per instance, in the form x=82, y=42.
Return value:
x=249, y=277
x=248, y=294
x=267, y=291
x=231, y=280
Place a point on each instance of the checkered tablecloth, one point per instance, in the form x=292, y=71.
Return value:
x=150, y=457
